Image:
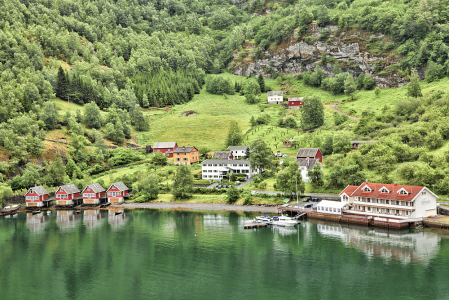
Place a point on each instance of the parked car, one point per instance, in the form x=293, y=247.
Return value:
x=315, y=199
x=278, y=154
x=308, y=205
x=219, y=186
x=285, y=155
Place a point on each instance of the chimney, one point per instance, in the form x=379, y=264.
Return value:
x=395, y=184
x=35, y=185
x=366, y=181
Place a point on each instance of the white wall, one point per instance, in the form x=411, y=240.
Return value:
x=425, y=204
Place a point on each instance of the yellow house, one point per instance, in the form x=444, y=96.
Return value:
x=185, y=155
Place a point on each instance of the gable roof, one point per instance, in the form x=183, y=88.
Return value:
x=96, y=187
x=309, y=163
x=69, y=188
x=39, y=189
x=159, y=145
x=307, y=152
x=225, y=161
x=184, y=149
x=237, y=148
x=412, y=190
x=222, y=154
x=295, y=99
x=349, y=190
x=275, y=93
x=120, y=185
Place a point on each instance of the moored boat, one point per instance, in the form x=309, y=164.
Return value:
x=264, y=219
x=284, y=221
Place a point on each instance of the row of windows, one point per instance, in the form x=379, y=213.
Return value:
x=184, y=159
x=62, y=196
x=225, y=165
x=329, y=209
x=216, y=171
x=89, y=195
x=385, y=201
x=210, y=176
x=114, y=194
x=385, y=211
x=32, y=198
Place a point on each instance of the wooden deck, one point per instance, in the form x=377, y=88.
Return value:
x=254, y=225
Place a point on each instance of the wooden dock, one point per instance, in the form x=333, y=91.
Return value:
x=254, y=225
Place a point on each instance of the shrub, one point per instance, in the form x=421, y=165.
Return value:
x=122, y=156
x=368, y=82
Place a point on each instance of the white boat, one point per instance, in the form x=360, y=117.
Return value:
x=284, y=221
x=264, y=219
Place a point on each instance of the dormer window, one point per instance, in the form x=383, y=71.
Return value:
x=366, y=189
x=402, y=192
x=384, y=190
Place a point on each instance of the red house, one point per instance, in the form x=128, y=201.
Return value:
x=165, y=148
x=67, y=194
x=36, y=196
x=295, y=103
x=92, y=193
x=117, y=192
x=311, y=153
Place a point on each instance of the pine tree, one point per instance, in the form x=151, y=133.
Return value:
x=140, y=121
x=145, y=102
x=413, y=88
x=62, y=86
x=261, y=82
x=119, y=135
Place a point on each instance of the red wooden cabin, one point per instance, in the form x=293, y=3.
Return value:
x=295, y=102
x=117, y=192
x=165, y=148
x=311, y=153
x=93, y=193
x=36, y=196
x=67, y=194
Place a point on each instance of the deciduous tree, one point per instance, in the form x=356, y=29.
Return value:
x=182, y=183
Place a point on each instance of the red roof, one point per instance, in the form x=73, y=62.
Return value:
x=349, y=190
x=393, y=191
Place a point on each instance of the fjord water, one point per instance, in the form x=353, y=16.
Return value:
x=150, y=254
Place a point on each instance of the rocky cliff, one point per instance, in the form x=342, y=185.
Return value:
x=352, y=50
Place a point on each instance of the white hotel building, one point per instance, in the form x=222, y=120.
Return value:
x=218, y=168
x=392, y=201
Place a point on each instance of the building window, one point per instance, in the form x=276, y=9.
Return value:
x=403, y=192
x=185, y=159
x=366, y=189
x=178, y=159
x=384, y=190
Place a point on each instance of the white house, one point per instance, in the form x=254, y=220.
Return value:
x=218, y=168
x=238, y=151
x=275, y=97
x=330, y=207
x=345, y=195
x=391, y=201
x=306, y=165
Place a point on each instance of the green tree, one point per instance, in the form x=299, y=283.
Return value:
x=56, y=174
x=341, y=142
x=368, y=82
x=312, y=113
x=149, y=187
x=289, y=179
x=316, y=175
x=260, y=157
x=235, y=137
x=92, y=115
x=232, y=195
x=377, y=91
x=182, y=183
x=261, y=82
x=350, y=86
x=62, y=86
x=290, y=122
x=72, y=169
x=140, y=120
x=5, y=194
x=247, y=153
x=49, y=115
x=159, y=159
x=251, y=89
x=413, y=88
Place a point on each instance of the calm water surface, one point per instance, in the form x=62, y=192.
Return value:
x=149, y=254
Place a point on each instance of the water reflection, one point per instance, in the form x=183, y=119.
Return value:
x=284, y=231
x=67, y=220
x=36, y=223
x=93, y=218
x=401, y=245
x=117, y=218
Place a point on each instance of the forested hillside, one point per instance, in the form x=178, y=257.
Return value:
x=114, y=60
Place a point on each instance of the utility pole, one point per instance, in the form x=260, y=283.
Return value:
x=296, y=179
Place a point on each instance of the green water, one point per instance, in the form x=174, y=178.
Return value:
x=149, y=254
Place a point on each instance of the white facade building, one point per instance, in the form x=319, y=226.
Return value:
x=275, y=97
x=330, y=207
x=306, y=165
x=390, y=201
x=218, y=168
x=238, y=151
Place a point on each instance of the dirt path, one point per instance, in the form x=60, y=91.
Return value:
x=335, y=108
x=202, y=206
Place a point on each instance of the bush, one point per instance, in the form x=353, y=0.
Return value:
x=290, y=122
x=122, y=156
x=368, y=82
x=218, y=85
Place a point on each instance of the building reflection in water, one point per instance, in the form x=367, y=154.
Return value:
x=93, y=218
x=67, y=220
x=402, y=245
x=37, y=223
x=117, y=218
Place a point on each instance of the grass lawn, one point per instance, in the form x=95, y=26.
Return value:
x=64, y=106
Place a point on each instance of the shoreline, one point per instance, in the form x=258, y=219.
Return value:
x=201, y=206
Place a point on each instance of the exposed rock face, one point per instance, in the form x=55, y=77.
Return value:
x=296, y=55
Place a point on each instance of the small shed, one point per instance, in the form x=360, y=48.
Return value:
x=295, y=102
x=36, y=196
x=68, y=194
x=330, y=207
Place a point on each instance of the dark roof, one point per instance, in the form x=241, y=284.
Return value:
x=225, y=161
x=40, y=190
x=237, y=148
x=222, y=154
x=120, y=185
x=70, y=188
x=275, y=93
x=309, y=163
x=307, y=152
x=163, y=145
x=184, y=149
x=96, y=187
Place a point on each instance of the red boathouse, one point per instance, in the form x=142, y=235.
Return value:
x=93, y=193
x=67, y=194
x=36, y=196
x=117, y=192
